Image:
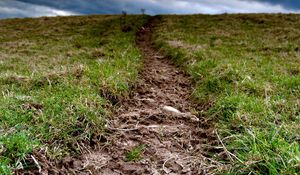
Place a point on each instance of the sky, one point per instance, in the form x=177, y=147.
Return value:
x=37, y=8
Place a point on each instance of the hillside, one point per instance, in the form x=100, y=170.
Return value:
x=168, y=94
x=246, y=69
x=58, y=80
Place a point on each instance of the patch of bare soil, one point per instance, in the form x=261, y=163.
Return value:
x=158, y=117
x=157, y=126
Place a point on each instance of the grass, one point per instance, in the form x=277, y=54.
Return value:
x=135, y=153
x=59, y=78
x=248, y=68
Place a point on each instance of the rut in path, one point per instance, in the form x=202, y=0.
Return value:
x=172, y=142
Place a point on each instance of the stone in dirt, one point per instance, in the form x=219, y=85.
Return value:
x=172, y=110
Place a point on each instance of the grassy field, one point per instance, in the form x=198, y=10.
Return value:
x=247, y=67
x=59, y=78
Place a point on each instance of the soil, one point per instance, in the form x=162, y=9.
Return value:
x=156, y=130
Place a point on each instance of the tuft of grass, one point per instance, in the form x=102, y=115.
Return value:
x=59, y=78
x=247, y=66
x=135, y=154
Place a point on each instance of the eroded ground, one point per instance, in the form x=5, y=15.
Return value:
x=148, y=136
x=155, y=130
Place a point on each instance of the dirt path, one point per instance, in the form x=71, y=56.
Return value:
x=154, y=131
x=168, y=141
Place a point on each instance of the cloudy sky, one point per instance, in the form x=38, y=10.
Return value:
x=36, y=8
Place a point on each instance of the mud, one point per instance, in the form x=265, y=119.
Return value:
x=173, y=142
x=173, y=139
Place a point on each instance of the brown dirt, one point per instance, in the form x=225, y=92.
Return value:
x=172, y=142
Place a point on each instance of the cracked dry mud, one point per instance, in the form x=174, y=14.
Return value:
x=172, y=142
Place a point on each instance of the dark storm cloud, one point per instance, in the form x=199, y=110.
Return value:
x=32, y=8
x=289, y=4
x=169, y=6
x=13, y=8
x=103, y=6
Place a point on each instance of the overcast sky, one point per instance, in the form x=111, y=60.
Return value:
x=36, y=8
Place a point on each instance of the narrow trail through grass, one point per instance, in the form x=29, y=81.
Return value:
x=77, y=86
x=147, y=135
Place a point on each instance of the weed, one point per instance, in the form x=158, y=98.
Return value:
x=135, y=154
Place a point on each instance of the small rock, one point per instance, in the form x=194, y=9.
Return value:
x=171, y=110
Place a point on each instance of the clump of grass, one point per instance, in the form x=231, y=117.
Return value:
x=56, y=77
x=135, y=154
x=247, y=66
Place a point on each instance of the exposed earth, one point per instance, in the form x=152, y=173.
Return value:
x=156, y=130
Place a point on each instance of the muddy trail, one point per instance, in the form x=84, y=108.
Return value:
x=156, y=130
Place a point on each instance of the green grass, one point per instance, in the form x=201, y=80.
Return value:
x=59, y=78
x=248, y=67
x=135, y=153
